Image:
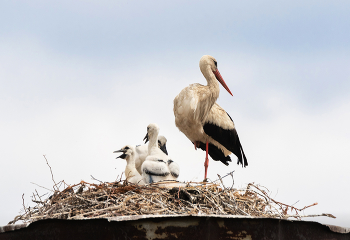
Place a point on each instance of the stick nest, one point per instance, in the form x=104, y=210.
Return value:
x=88, y=201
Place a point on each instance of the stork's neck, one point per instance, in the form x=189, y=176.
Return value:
x=213, y=84
x=153, y=141
x=130, y=158
x=130, y=163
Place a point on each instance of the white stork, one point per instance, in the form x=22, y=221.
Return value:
x=141, y=152
x=158, y=166
x=203, y=121
x=132, y=175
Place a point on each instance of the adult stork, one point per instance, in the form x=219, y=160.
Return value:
x=203, y=121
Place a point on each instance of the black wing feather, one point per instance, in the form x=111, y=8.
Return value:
x=228, y=138
x=164, y=174
x=215, y=153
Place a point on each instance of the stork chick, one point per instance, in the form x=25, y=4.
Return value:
x=132, y=175
x=156, y=166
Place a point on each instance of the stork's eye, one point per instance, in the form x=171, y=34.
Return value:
x=126, y=147
x=216, y=64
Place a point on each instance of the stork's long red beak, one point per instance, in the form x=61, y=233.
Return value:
x=221, y=80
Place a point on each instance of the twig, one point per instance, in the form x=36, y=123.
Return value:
x=221, y=181
x=230, y=173
x=42, y=186
x=51, y=173
x=24, y=207
x=95, y=179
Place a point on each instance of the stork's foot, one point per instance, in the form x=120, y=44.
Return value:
x=206, y=180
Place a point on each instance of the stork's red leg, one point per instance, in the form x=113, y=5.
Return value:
x=206, y=163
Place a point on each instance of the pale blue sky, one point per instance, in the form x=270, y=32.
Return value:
x=81, y=79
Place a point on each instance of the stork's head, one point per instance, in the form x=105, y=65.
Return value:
x=127, y=151
x=162, y=144
x=208, y=63
x=152, y=130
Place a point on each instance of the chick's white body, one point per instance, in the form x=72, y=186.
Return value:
x=131, y=174
x=157, y=165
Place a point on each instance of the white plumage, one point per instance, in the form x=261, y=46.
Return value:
x=131, y=174
x=141, y=152
x=157, y=166
x=174, y=169
x=203, y=121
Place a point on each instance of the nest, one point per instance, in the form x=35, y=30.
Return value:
x=104, y=200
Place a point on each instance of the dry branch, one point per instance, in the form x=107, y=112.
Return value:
x=55, y=185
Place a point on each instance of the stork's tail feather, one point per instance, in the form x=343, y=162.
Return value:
x=245, y=161
x=238, y=151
